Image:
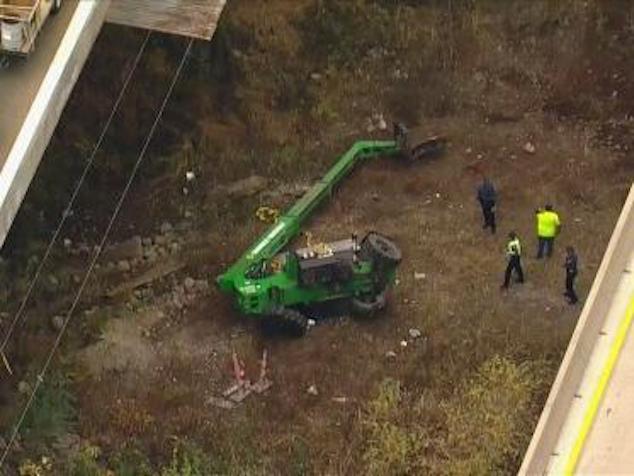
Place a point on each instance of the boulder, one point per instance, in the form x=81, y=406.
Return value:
x=126, y=250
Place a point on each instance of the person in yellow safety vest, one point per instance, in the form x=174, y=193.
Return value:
x=514, y=258
x=548, y=226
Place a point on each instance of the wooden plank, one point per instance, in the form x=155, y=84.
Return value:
x=192, y=18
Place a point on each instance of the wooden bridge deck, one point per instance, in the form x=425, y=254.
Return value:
x=193, y=18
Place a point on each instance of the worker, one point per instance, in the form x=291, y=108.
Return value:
x=570, y=265
x=400, y=137
x=548, y=227
x=487, y=197
x=514, y=259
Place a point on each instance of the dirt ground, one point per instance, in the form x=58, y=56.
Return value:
x=147, y=362
x=161, y=373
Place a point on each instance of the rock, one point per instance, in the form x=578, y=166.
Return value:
x=150, y=255
x=57, y=322
x=190, y=284
x=403, y=343
x=246, y=188
x=315, y=76
x=126, y=250
x=419, y=276
x=375, y=197
x=177, y=302
x=190, y=176
x=381, y=124
x=415, y=333
x=390, y=354
x=312, y=390
x=23, y=387
x=202, y=285
x=166, y=228
x=529, y=148
x=124, y=266
x=67, y=243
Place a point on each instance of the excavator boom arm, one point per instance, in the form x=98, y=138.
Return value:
x=289, y=225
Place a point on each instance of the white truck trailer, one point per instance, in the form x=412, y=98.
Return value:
x=20, y=23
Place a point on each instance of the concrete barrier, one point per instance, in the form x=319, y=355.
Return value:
x=41, y=120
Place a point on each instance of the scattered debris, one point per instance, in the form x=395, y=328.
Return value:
x=242, y=387
x=159, y=271
x=415, y=333
x=529, y=148
x=403, y=343
x=419, y=276
x=340, y=399
x=23, y=387
x=390, y=354
x=267, y=214
x=312, y=390
x=190, y=176
x=221, y=403
x=6, y=363
x=376, y=122
x=243, y=188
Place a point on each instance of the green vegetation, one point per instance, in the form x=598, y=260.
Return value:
x=482, y=428
x=52, y=413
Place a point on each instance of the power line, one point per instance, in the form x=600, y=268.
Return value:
x=67, y=210
x=40, y=377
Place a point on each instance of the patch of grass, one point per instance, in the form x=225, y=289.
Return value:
x=131, y=462
x=52, y=413
x=391, y=448
x=188, y=460
x=490, y=417
x=86, y=463
x=345, y=32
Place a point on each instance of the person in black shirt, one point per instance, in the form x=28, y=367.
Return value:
x=487, y=197
x=571, y=273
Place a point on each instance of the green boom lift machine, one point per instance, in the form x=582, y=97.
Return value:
x=269, y=283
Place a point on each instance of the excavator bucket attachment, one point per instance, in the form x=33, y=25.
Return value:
x=431, y=147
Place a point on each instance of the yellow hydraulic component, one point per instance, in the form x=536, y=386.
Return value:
x=267, y=214
x=320, y=249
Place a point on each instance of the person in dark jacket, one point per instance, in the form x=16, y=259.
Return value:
x=571, y=273
x=487, y=197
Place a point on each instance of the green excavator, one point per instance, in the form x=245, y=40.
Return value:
x=282, y=286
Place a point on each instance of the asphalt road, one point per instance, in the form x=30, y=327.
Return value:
x=20, y=82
